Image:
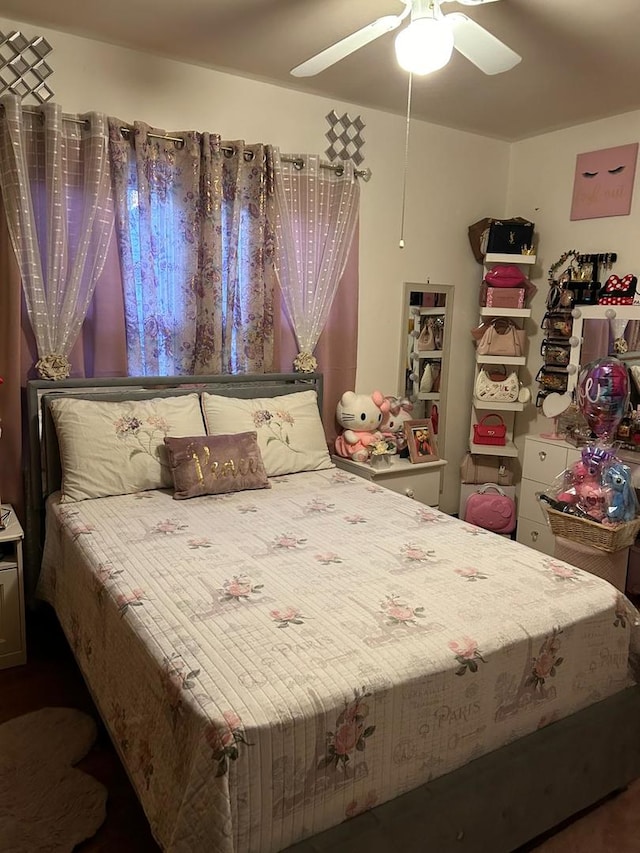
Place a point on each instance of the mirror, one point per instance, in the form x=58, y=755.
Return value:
x=553, y=406
x=428, y=311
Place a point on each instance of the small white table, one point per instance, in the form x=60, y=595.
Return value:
x=417, y=480
x=13, y=645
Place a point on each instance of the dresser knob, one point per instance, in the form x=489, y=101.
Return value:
x=542, y=455
x=409, y=493
x=534, y=535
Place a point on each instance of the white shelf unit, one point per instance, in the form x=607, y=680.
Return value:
x=508, y=449
x=507, y=411
x=503, y=258
x=506, y=312
x=430, y=354
x=498, y=407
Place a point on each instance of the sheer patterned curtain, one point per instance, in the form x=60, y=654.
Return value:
x=195, y=251
x=55, y=181
x=316, y=215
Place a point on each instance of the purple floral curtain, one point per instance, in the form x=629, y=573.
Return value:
x=195, y=249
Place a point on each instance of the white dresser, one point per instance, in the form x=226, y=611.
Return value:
x=543, y=460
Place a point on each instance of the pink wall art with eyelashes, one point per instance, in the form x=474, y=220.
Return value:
x=603, y=183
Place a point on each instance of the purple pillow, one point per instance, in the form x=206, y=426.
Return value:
x=216, y=464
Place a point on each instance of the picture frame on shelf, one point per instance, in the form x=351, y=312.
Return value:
x=421, y=440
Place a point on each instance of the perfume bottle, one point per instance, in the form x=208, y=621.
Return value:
x=623, y=432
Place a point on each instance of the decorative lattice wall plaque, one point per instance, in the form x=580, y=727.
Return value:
x=23, y=70
x=345, y=136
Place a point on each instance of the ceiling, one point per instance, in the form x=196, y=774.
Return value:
x=580, y=58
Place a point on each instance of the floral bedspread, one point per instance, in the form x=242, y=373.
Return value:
x=273, y=662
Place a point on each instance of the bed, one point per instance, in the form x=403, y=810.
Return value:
x=317, y=663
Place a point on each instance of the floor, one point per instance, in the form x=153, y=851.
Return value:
x=52, y=678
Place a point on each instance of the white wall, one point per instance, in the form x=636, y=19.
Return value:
x=541, y=187
x=454, y=179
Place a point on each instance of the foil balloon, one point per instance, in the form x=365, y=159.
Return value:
x=603, y=395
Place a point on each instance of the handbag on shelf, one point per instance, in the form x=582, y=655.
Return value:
x=436, y=372
x=426, y=382
x=491, y=509
x=506, y=275
x=476, y=468
x=510, y=236
x=435, y=418
x=502, y=337
x=504, y=389
x=438, y=332
x=490, y=434
x=430, y=337
x=478, y=331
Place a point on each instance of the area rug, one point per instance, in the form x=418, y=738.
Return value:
x=45, y=803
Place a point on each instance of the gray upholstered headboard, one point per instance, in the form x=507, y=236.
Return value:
x=45, y=471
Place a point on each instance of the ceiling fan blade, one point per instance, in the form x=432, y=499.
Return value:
x=473, y=2
x=480, y=47
x=347, y=45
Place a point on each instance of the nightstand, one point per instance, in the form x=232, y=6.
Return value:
x=13, y=646
x=419, y=480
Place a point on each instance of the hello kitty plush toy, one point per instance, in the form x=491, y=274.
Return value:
x=360, y=416
x=392, y=426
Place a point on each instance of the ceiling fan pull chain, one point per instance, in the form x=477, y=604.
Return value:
x=406, y=162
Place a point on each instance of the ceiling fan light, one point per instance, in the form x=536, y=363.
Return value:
x=424, y=46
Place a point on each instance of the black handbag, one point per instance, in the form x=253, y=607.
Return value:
x=510, y=236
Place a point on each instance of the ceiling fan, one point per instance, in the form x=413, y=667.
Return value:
x=426, y=44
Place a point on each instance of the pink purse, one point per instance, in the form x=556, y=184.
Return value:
x=507, y=275
x=491, y=510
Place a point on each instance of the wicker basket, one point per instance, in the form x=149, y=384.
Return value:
x=604, y=537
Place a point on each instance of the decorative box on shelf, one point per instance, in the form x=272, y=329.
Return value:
x=504, y=297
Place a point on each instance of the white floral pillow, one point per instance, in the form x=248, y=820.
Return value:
x=118, y=448
x=290, y=433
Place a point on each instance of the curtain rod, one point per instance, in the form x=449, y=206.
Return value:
x=298, y=162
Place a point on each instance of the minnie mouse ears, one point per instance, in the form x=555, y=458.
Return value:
x=618, y=291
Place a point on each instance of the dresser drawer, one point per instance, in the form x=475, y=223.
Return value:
x=423, y=486
x=543, y=461
x=536, y=535
x=529, y=506
x=10, y=612
x=418, y=481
